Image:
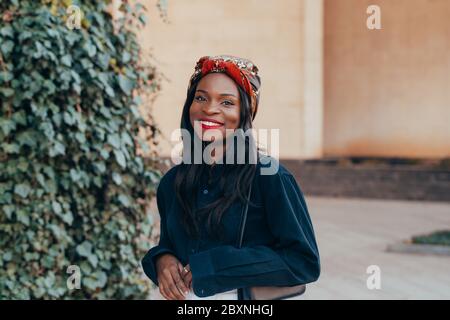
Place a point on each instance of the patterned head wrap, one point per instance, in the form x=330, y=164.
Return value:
x=242, y=71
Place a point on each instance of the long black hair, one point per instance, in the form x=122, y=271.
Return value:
x=234, y=181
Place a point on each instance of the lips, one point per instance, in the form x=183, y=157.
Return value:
x=210, y=123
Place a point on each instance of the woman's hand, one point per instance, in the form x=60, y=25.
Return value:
x=170, y=277
x=187, y=276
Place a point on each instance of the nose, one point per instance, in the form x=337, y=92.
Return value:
x=210, y=108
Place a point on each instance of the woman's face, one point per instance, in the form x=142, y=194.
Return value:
x=216, y=107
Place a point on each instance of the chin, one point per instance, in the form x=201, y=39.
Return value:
x=210, y=139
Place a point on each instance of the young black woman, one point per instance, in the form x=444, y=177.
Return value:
x=200, y=204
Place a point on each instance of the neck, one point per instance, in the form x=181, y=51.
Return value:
x=217, y=152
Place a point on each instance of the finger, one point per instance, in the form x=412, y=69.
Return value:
x=169, y=285
x=178, y=280
x=166, y=292
x=188, y=280
x=161, y=287
x=186, y=268
x=176, y=292
x=181, y=286
x=162, y=291
x=184, y=271
x=187, y=275
x=173, y=286
x=180, y=268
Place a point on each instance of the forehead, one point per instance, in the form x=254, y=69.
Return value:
x=218, y=82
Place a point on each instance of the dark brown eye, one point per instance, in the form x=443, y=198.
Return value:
x=228, y=103
x=200, y=98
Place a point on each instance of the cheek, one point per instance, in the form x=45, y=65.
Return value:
x=233, y=118
x=237, y=118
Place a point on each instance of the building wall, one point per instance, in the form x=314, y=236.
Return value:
x=268, y=32
x=329, y=84
x=387, y=92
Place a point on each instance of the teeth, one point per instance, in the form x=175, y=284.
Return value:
x=208, y=123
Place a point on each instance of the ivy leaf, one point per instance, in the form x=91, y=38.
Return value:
x=125, y=84
x=8, y=210
x=114, y=140
x=66, y=60
x=22, y=165
x=27, y=138
x=90, y=49
x=81, y=138
x=56, y=207
x=124, y=200
x=67, y=217
x=84, y=249
x=57, y=231
x=10, y=148
x=117, y=178
x=24, y=35
x=20, y=117
x=89, y=283
x=93, y=260
x=23, y=217
x=127, y=138
x=57, y=149
x=5, y=76
x=120, y=158
x=101, y=278
x=75, y=175
x=7, y=256
x=7, y=126
x=22, y=189
x=104, y=153
x=96, y=280
x=109, y=91
x=6, y=92
x=72, y=37
x=40, y=178
x=100, y=166
x=103, y=60
x=68, y=118
x=126, y=57
x=7, y=31
x=6, y=47
x=47, y=127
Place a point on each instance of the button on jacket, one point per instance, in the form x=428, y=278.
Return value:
x=279, y=246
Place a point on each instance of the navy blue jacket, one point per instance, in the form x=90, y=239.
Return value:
x=279, y=246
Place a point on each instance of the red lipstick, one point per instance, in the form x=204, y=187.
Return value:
x=208, y=123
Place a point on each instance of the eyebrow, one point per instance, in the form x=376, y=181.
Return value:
x=222, y=94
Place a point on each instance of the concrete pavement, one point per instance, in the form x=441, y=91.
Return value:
x=352, y=234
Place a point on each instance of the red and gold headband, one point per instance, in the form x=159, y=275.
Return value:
x=242, y=71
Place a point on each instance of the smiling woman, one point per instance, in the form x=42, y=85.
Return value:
x=200, y=254
x=216, y=106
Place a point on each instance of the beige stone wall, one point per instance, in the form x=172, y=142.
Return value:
x=269, y=32
x=387, y=92
x=329, y=84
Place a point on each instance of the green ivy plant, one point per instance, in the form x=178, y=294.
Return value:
x=74, y=186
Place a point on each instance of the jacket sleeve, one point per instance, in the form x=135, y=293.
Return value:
x=164, y=246
x=293, y=260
